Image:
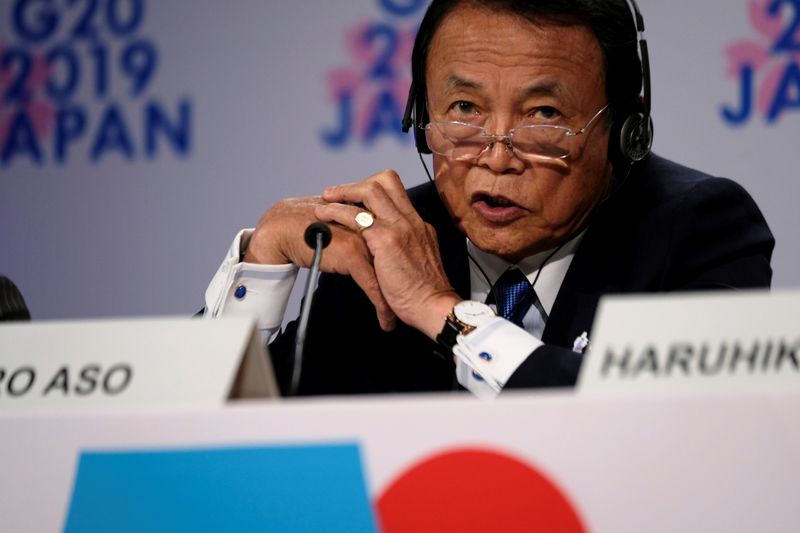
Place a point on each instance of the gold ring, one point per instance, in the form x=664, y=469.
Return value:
x=364, y=219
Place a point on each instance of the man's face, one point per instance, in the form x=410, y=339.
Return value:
x=501, y=71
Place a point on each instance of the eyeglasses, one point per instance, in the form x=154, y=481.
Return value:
x=462, y=141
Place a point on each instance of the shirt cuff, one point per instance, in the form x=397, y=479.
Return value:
x=490, y=354
x=249, y=289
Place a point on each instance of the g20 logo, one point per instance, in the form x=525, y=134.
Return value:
x=369, y=95
x=77, y=78
x=767, y=71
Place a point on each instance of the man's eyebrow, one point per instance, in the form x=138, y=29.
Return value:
x=457, y=82
x=547, y=88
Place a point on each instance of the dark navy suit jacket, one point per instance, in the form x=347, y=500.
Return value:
x=666, y=228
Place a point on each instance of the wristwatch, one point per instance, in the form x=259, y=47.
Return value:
x=462, y=319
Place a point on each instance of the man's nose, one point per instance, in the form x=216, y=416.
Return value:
x=499, y=156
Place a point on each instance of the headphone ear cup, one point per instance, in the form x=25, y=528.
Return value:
x=636, y=137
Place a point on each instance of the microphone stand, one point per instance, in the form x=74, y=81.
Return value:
x=317, y=236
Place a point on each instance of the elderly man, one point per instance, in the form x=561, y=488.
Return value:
x=544, y=199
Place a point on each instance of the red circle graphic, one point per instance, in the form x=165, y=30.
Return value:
x=475, y=490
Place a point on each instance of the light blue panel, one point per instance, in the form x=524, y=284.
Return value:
x=294, y=488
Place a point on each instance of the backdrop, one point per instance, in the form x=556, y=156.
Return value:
x=137, y=137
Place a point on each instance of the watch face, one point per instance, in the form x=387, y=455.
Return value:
x=473, y=313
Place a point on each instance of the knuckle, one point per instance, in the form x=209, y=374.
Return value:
x=390, y=173
x=373, y=187
x=430, y=230
x=389, y=178
x=371, y=283
x=394, y=239
x=382, y=173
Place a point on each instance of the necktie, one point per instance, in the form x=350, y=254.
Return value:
x=516, y=298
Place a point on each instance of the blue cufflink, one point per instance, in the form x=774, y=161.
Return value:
x=241, y=290
x=486, y=356
x=477, y=377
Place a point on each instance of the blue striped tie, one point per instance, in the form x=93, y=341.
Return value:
x=516, y=297
x=512, y=289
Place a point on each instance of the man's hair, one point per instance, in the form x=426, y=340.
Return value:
x=610, y=21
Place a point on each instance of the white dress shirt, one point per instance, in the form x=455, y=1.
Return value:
x=508, y=344
x=262, y=291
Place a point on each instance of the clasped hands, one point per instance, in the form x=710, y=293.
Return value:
x=396, y=261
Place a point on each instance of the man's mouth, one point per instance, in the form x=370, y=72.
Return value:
x=495, y=201
x=496, y=209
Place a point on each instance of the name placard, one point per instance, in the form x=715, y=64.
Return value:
x=713, y=341
x=131, y=363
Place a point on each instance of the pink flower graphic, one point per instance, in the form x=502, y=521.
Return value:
x=35, y=105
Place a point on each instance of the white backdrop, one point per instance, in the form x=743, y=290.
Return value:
x=145, y=134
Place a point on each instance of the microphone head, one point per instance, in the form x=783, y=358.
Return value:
x=317, y=228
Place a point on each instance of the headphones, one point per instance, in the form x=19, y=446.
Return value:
x=634, y=132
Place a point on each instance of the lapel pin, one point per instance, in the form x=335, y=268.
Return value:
x=581, y=343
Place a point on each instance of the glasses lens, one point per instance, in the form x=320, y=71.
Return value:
x=455, y=140
x=464, y=142
x=542, y=141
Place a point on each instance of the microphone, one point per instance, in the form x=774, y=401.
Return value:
x=317, y=236
x=315, y=230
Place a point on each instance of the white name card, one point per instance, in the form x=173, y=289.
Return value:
x=131, y=363
x=713, y=341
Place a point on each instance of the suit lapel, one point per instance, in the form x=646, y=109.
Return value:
x=572, y=313
x=590, y=272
